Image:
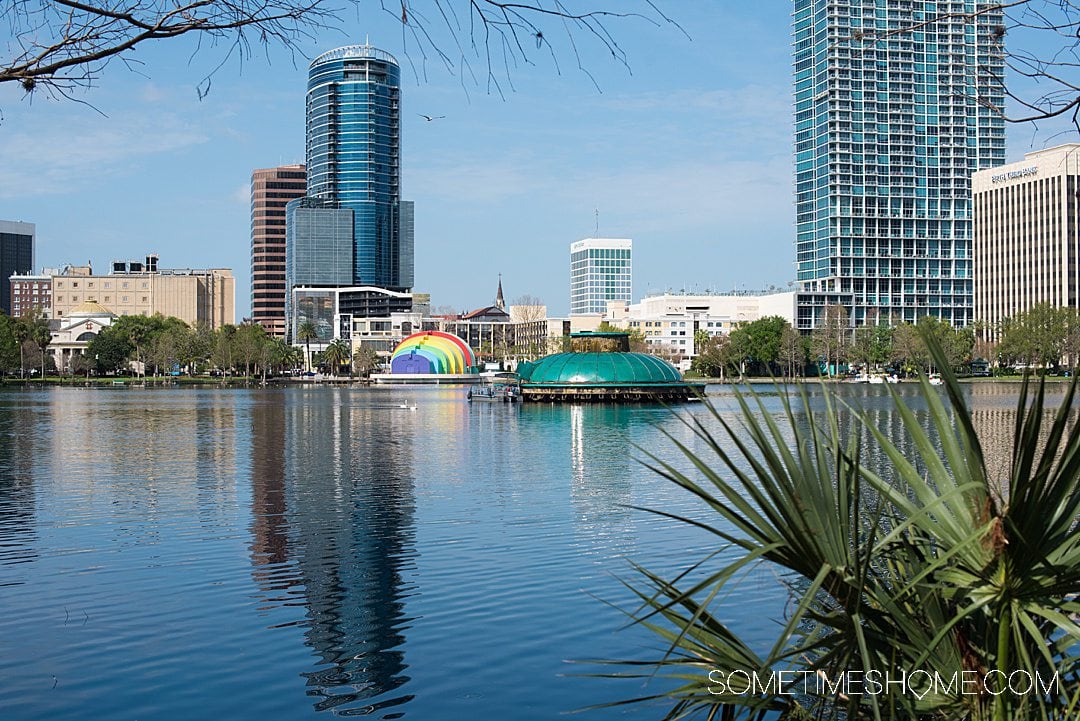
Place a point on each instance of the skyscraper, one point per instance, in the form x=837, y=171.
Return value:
x=600, y=270
x=353, y=160
x=889, y=126
x=271, y=189
x=16, y=255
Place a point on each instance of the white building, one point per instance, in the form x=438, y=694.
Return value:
x=600, y=271
x=72, y=334
x=669, y=321
x=1027, y=235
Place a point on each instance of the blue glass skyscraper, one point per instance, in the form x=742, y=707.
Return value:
x=353, y=153
x=889, y=126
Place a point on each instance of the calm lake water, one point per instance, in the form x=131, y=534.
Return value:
x=301, y=553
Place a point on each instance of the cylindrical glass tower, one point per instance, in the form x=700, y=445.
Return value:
x=353, y=155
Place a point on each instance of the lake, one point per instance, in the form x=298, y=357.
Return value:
x=307, y=552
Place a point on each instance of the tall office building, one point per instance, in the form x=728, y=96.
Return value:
x=16, y=254
x=271, y=189
x=600, y=270
x=1027, y=235
x=354, y=161
x=887, y=134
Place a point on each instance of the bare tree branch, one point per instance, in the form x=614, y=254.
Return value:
x=64, y=45
x=1052, y=88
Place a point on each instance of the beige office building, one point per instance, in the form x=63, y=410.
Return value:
x=1026, y=235
x=141, y=288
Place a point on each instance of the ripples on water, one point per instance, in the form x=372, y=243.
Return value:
x=303, y=552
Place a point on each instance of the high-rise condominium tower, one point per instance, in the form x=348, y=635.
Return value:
x=271, y=189
x=889, y=126
x=354, y=161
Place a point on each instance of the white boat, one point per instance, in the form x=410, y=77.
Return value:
x=876, y=380
x=935, y=379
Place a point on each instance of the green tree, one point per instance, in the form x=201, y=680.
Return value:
x=139, y=331
x=365, y=360
x=80, y=363
x=222, y=352
x=248, y=342
x=1036, y=336
x=915, y=560
x=38, y=333
x=21, y=332
x=714, y=358
x=873, y=344
x=830, y=341
x=793, y=351
x=908, y=349
x=337, y=354
x=756, y=345
x=110, y=351
x=306, y=333
x=10, y=355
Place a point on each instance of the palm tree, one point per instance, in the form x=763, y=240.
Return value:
x=22, y=332
x=336, y=354
x=306, y=333
x=918, y=562
x=365, y=360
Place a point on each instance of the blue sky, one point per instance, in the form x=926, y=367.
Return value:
x=688, y=152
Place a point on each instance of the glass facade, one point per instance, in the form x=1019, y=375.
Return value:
x=316, y=307
x=600, y=271
x=353, y=156
x=318, y=247
x=887, y=134
x=16, y=256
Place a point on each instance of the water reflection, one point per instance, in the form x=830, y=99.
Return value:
x=18, y=435
x=333, y=516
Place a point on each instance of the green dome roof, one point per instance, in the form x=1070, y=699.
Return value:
x=599, y=368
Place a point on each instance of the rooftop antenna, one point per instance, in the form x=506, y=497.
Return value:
x=597, y=212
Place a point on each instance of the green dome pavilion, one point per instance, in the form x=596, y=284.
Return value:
x=603, y=369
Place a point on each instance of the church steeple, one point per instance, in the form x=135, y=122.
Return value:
x=500, y=303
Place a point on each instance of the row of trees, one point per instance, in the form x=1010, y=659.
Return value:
x=23, y=345
x=771, y=346
x=159, y=346
x=1044, y=336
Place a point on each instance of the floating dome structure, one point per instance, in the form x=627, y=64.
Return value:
x=432, y=352
x=613, y=376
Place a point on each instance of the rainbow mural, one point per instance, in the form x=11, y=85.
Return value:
x=431, y=351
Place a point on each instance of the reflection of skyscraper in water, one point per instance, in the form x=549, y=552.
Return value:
x=269, y=527
x=348, y=504
x=19, y=431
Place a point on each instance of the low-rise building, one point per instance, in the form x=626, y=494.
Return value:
x=669, y=322
x=142, y=288
x=32, y=293
x=72, y=334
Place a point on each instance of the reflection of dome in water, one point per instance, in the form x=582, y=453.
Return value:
x=599, y=368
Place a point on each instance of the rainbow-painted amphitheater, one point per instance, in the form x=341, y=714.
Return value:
x=432, y=352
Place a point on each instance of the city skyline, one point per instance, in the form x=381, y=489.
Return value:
x=527, y=173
